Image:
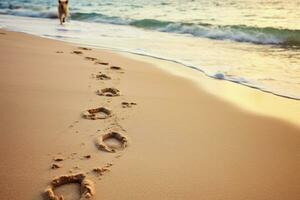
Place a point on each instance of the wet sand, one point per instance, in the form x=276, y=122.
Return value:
x=132, y=130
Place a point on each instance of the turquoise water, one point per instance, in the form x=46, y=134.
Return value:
x=251, y=42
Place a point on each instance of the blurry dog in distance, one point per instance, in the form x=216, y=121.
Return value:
x=63, y=10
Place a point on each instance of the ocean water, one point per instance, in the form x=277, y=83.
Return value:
x=255, y=43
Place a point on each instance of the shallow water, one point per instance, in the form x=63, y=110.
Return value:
x=254, y=43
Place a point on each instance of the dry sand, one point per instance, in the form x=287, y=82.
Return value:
x=183, y=142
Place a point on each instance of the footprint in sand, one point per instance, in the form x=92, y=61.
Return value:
x=109, y=92
x=87, y=188
x=77, y=52
x=101, y=63
x=128, y=105
x=58, y=159
x=55, y=166
x=102, y=145
x=102, y=76
x=90, y=58
x=84, y=48
x=59, y=52
x=115, y=68
x=97, y=113
x=87, y=156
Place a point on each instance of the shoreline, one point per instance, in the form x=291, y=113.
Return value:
x=180, y=136
x=167, y=46
x=244, y=97
x=286, y=108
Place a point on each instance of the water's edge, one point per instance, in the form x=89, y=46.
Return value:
x=218, y=76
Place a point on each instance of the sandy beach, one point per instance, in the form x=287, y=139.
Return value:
x=175, y=139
